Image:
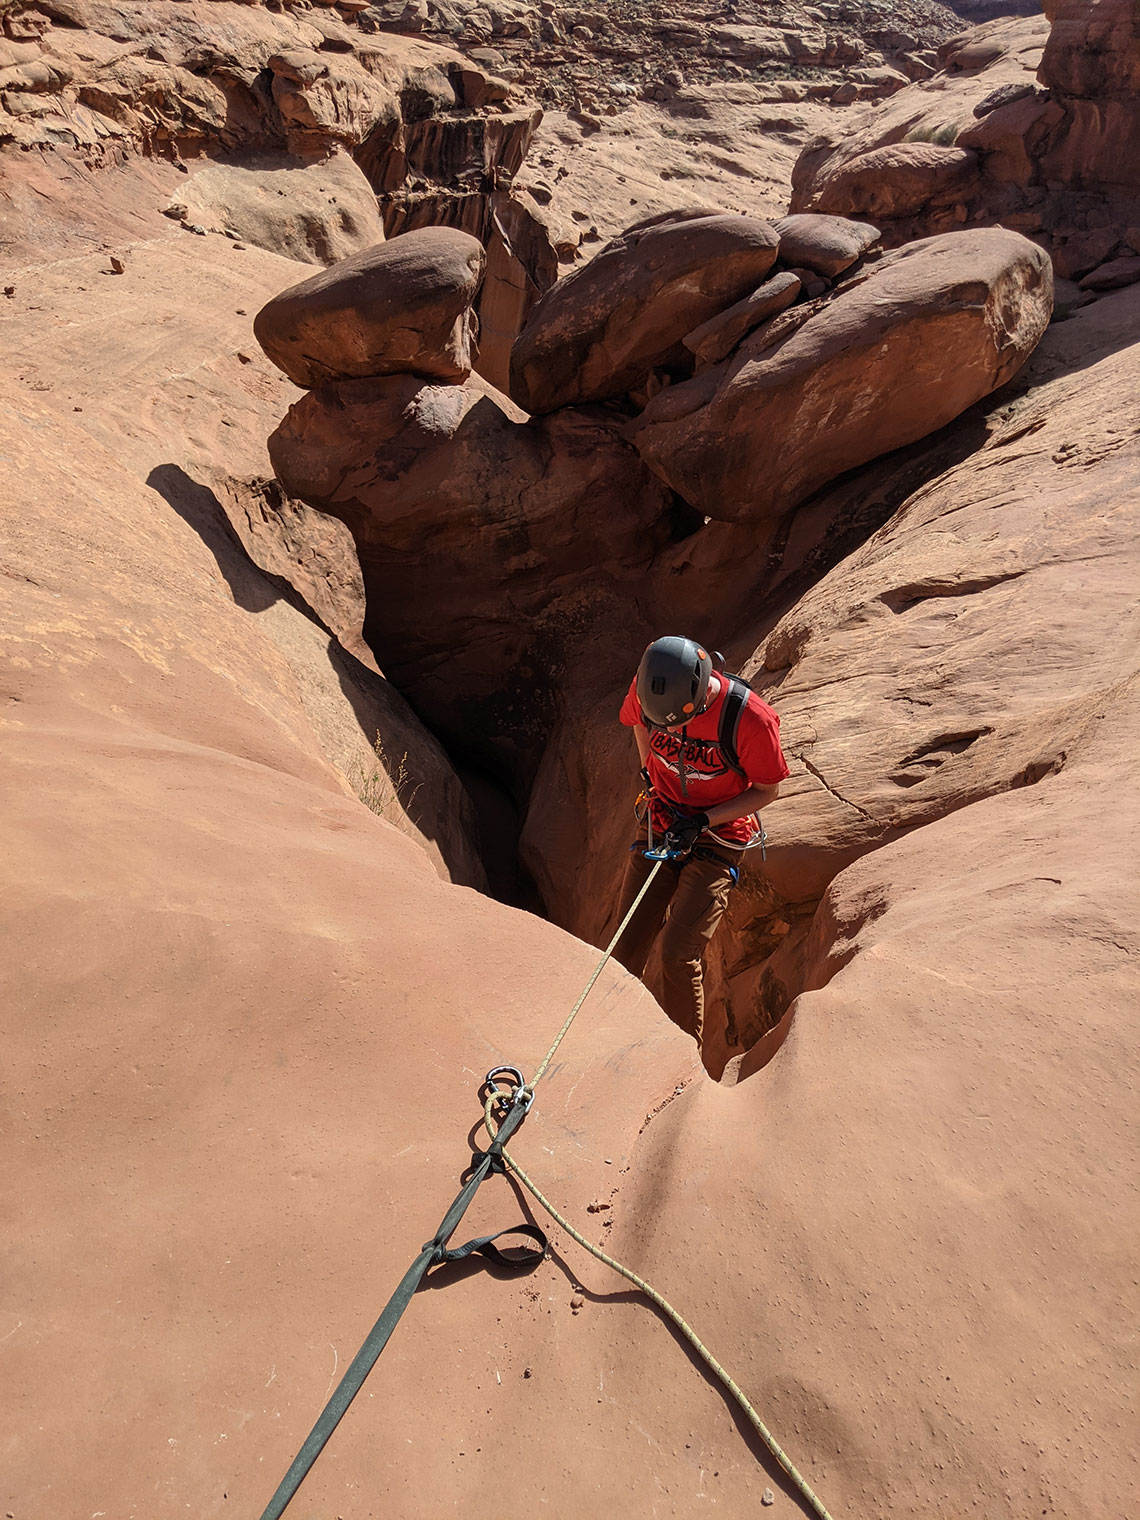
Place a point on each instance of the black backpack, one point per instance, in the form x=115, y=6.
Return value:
x=735, y=701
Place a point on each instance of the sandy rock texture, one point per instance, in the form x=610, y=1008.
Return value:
x=938, y=1164
x=249, y=992
x=892, y=355
x=317, y=212
x=217, y=952
x=394, y=307
x=193, y=450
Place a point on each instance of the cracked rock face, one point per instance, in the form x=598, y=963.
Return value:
x=892, y=355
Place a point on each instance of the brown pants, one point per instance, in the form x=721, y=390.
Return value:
x=694, y=894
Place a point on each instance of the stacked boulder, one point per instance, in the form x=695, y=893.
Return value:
x=703, y=365
x=746, y=406
x=487, y=541
x=397, y=307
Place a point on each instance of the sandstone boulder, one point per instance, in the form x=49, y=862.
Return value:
x=329, y=96
x=404, y=306
x=601, y=330
x=826, y=244
x=1076, y=255
x=890, y=357
x=1113, y=275
x=314, y=212
x=923, y=162
x=895, y=180
x=716, y=338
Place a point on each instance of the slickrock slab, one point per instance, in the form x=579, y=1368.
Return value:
x=316, y=212
x=600, y=331
x=928, y=331
x=402, y=307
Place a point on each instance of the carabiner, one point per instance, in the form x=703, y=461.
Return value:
x=501, y=1095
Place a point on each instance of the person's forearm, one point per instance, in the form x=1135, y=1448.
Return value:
x=751, y=801
x=641, y=739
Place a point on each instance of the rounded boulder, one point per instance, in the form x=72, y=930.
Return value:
x=599, y=332
x=400, y=307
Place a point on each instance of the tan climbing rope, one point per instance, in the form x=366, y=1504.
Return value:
x=513, y=1102
x=525, y=1093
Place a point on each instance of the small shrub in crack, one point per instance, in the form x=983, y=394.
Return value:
x=385, y=789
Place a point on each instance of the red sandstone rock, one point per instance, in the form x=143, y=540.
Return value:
x=891, y=356
x=946, y=151
x=317, y=212
x=1084, y=251
x=490, y=546
x=896, y=180
x=1113, y=275
x=717, y=337
x=826, y=244
x=402, y=307
x=1092, y=65
x=601, y=330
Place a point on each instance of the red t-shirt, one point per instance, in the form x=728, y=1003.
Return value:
x=689, y=769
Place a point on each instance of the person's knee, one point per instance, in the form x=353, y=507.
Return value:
x=683, y=944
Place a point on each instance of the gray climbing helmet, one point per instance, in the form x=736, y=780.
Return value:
x=673, y=680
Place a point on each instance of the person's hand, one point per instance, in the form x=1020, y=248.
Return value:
x=646, y=781
x=684, y=832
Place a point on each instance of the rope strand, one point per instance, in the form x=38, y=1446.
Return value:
x=796, y=1477
x=589, y=987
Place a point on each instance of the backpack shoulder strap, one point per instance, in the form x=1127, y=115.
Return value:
x=735, y=701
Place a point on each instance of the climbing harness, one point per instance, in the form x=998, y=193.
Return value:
x=504, y=1109
x=643, y=812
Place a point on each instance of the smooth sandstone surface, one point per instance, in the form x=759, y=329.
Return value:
x=404, y=306
x=317, y=212
x=599, y=331
x=217, y=955
x=891, y=356
x=244, y=1018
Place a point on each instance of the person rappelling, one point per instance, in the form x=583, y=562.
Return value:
x=710, y=753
